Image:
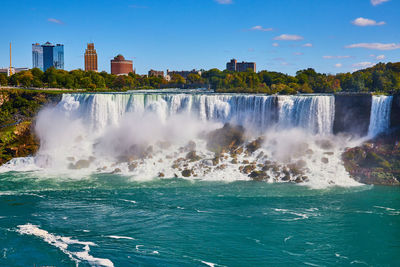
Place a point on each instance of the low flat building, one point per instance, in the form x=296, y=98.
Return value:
x=233, y=65
x=121, y=66
x=156, y=73
x=183, y=73
x=13, y=70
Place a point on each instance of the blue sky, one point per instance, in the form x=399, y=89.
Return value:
x=279, y=35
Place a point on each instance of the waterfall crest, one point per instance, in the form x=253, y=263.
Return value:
x=312, y=113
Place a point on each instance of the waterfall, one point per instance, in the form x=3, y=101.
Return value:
x=151, y=134
x=312, y=113
x=380, y=115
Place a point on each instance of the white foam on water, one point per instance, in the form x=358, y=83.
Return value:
x=63, y=243
x=120, y=237
x=20, y=165
x=297, y=215
x=208, y=263
x=130, y=201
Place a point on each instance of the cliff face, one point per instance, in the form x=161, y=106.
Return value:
x=352, y=113
x=18, y=109
x=395, y=114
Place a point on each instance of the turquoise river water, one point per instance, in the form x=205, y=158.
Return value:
x=109, y=220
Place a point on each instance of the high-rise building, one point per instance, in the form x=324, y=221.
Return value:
x=90, y=58
x=121, y=66
x=233, y=65
x=47, y=55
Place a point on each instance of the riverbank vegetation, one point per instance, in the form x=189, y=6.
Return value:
x=382, y=78
x=18, y=109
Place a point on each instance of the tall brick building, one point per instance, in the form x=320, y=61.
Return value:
x=121, y=66
x=90, y=58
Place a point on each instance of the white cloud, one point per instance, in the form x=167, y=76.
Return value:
x=335, y=57
x=378, y=2
x=298, y=53
x=363, y=65
x=260, y=28
x=380, y=57
x=56, y=21
x=367, y=22
x=289, y=37
x=224, y=2
x=375, y=46
x=307, y=45
x=338, y=65
x=275, y=44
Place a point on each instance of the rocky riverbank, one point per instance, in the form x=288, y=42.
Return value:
x=376, y=161
x=18, y=109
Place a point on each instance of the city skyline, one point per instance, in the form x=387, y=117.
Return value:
x=332, y=37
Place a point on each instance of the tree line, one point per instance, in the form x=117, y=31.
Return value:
x=383, y=78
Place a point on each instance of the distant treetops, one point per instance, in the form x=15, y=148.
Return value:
x=382, y=77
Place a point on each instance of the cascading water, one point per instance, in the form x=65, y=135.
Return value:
x=312, y=113
x=146, y=134
x=380, y=115
x=315, y=113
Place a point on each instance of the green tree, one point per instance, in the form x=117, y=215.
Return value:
x=26, y=78
x=3, y=79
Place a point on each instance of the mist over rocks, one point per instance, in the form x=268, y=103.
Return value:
x=226, y=139
x=198, y=136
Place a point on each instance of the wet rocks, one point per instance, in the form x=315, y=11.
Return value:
x=191, y=146
x=221, y=167
x=187, y=173
x=228, y=138
x=135, y=152
x=216, y=160
x=192, y=156
x=255, y=145
x=116, y=170
x=324, y=144
x=376, y=161
x=247, y=169
x=80, y=164
x=259, y=176
x=132, y=166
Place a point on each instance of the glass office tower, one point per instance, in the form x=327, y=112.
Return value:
x=47, y=55
x=37, y=56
